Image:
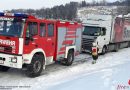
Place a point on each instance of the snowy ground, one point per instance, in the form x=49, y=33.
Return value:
x=111, y=72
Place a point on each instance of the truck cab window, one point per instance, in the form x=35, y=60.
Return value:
x=103, y=31
x=91, y=31
x=50, y=30
x=42, y=29
x=32, y=29
x=11, y=27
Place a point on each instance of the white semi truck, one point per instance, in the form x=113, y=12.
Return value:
x=106, y=32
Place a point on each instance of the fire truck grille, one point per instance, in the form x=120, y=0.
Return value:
x=87, y=43
x=7, y=49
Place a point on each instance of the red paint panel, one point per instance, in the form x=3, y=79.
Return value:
x=62, y=49
x=118, y=26
x=6, y=44
x=61, y=53
x=71, y=30
x=71, y=36
x=67, y=42
x=71, y=33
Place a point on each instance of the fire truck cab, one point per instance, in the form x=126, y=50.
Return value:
x=26, y=41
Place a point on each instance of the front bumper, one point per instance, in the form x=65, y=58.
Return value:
x=14, y=61
x=87, y=48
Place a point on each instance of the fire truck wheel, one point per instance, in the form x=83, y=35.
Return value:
x=70, y=58
x=36, y=66
x=4, y=68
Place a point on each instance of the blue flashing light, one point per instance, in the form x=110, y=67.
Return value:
x=14, y=15
x=21, y=15
x=1, y=14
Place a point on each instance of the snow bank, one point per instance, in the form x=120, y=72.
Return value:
x=110, y=71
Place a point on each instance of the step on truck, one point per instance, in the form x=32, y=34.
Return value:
x=32, y=43
x=106, y=32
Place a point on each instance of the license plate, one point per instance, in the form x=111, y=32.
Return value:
x=1, y=62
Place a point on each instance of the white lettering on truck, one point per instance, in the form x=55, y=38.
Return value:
x=6, y=19
x=7, y=42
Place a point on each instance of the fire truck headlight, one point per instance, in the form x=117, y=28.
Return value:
x=14, y=60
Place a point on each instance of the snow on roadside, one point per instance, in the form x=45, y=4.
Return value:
x=58, y=76
x=111, y=71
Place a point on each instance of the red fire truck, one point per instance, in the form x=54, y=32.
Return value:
x=26, y=41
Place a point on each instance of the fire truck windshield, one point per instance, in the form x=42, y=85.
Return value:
x=11, y=27
x=91, y=31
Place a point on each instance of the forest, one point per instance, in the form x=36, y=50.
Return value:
x=69, y=10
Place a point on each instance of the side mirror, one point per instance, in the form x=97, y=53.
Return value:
x=30, y=34
x=103, y=31
x=28, y=39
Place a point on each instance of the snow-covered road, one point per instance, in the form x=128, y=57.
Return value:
x=111, y=72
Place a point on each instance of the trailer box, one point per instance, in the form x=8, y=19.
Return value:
x=121, y=30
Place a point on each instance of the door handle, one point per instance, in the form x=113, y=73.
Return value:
x=49, y=39
x=35, y=38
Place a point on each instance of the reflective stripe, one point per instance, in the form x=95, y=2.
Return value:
x=20, y=45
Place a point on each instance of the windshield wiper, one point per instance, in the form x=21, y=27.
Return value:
x=9, y=35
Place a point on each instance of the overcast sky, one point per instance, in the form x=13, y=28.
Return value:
x=33, y=4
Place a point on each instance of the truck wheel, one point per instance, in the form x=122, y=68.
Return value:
x=128, y=44
x=4, y=68
x=35, y=68
x=104, y=50
x=70, y=58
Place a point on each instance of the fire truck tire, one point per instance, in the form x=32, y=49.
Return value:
x=4, y=68
x=35, y=68
x=70, y=58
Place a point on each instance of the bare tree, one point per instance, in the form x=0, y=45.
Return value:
x=104, y=2
x=93, y=2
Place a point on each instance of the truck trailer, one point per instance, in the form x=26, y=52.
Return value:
x=32, y=43
x=106, y=32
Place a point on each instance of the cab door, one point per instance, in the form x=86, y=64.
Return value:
x=51, y=39
x=102, y=38
x=31, y=37
x=43, y=36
